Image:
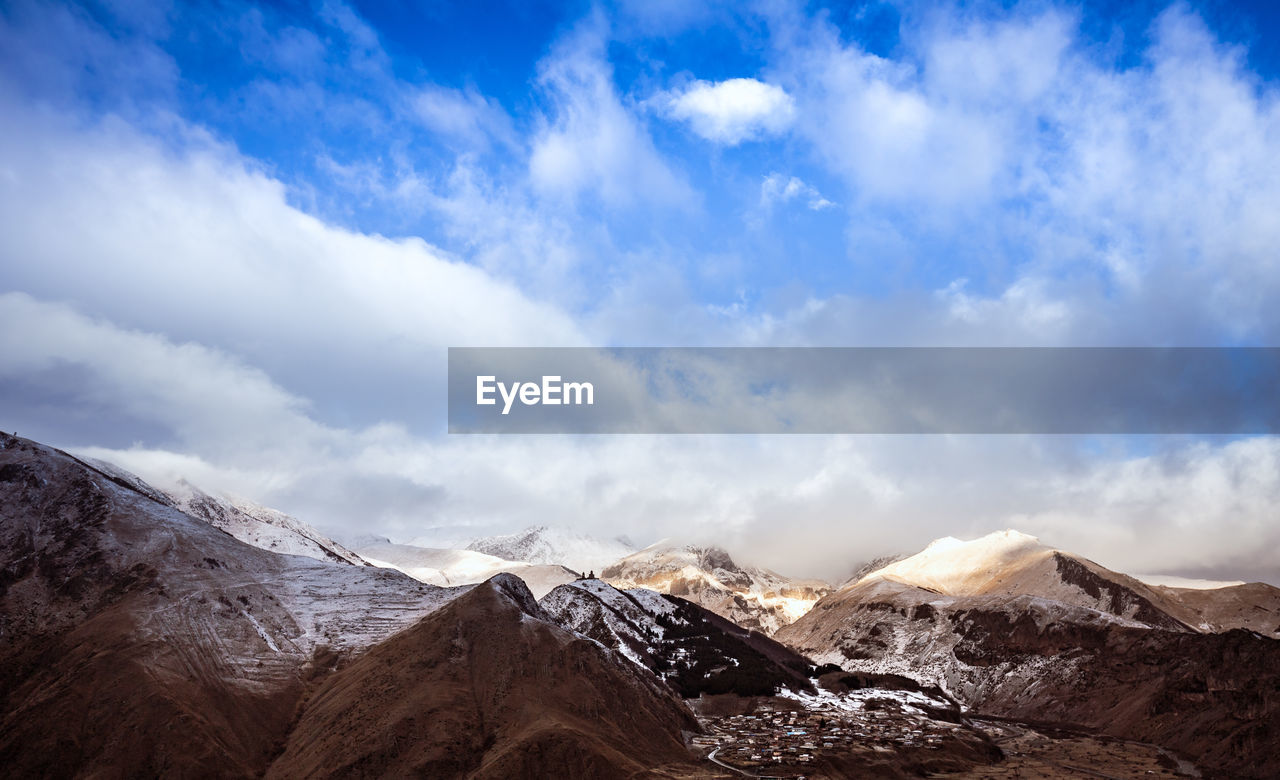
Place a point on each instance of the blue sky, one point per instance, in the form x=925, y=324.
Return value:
x=240, y=237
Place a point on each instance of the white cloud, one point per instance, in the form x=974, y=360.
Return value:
x=732, y=111
x=592, y=142
x=464, y=115
x=1089, y=203
x=194, y=243
x=202, y=396
x=778, y=188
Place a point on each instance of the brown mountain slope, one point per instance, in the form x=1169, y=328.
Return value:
x=138, y=641
x=1254, y=606
x=489, y=687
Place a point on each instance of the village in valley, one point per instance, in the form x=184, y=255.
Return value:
x=788, y=735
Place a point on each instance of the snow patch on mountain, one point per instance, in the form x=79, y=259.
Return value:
x=438, y=566
x=251, y=523
x=949, y=565
x=554, y=546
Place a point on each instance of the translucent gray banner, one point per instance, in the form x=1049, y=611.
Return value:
x=865, y=390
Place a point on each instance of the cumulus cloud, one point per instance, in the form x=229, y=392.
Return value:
x=731, y=111
x=1082, y=200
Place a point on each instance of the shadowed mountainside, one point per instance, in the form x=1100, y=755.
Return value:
x=693, y=650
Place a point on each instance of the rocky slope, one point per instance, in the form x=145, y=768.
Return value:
x=136, y=640
x=554, y=546
x=691, y=649
x=490, y=687
x=1011, y=627
x=439, y=566
x=751, y=597
x=1253, y=606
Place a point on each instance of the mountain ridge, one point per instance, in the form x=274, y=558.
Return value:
x=750, y=596
x=542, y=544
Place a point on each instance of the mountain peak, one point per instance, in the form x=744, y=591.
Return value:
x=546, y=545
x=1008, y=538
x=514, y=590
x=1013, y=535
x=951, y=565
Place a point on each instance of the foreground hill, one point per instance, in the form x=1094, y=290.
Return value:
x=490, y=687
x=693, y=650
x=136, y=640
x=1011, y=627
x=749, y=596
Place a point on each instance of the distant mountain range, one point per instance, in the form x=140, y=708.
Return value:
x=439, y=566
x=1010, y=626
x=150, y=633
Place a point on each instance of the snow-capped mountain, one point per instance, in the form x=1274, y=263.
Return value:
x=251, y=523
x=260, y=526
x=439, y=566
x=749, y=596
x=691, y=649
x=1009, y=564
x=1010, y=626
x=555, y=546
x=178, y=643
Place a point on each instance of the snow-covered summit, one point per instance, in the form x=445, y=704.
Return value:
x=554, y=546
x=949, y=565
x=442, y=566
